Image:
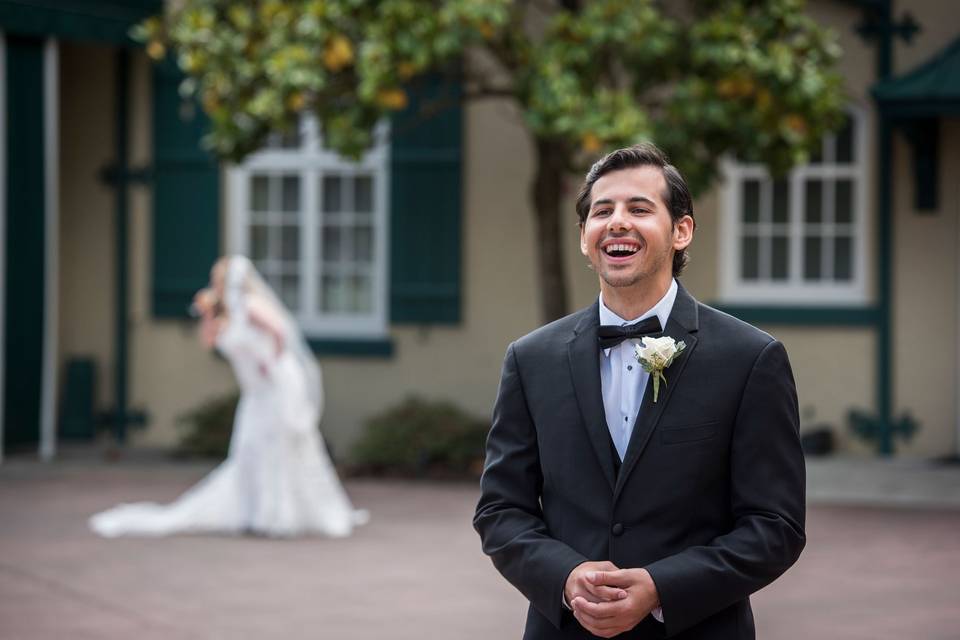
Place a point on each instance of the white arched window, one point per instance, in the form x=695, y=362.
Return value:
x=799, y=239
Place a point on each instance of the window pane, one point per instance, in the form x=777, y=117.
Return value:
x=363, y=244
x=781, y=200
x=816, y=156
x=843, y=197
x=287, y=140
x=362, y=294
x=332, y=293
x=290, y=292
x=272, y=280
x=843, y=259
x=291, y=193
x=750, y=265
x=290, y=243
x=780, y=258
x=259, y=193
x=812, y=252
x=291, y=139
x=332, y=197
x=258, y=242
x=363, y=194
x=845, y=142
x=751, y=200
x=331, y=244
x=814, y=201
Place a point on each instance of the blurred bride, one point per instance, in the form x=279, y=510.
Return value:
x=277, y=479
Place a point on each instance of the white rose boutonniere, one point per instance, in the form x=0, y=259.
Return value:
x=655, y=355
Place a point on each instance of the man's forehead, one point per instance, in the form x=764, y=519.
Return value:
x=646, y=182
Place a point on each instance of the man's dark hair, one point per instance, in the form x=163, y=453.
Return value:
x=677, y=198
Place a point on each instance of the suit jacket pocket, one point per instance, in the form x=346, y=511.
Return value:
x=688, y=434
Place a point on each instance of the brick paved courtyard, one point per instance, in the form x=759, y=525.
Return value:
x=415, y=571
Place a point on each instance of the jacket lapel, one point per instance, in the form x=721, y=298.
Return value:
x=584, y=353
x=681, y=326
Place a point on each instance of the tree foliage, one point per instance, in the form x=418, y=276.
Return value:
x=751, y=77
x=702, y=78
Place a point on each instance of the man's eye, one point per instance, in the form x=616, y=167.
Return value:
x=601, y=212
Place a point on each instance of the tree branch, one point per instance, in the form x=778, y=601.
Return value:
x=483, y=91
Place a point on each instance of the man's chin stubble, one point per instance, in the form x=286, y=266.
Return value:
x=621, y=282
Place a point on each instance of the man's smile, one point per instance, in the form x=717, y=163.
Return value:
x=619, y=249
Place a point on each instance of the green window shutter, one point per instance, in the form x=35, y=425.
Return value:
x=425, y=209
x=26, y=234
x=186, y=198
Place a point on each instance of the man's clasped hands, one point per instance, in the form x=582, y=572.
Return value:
x=607, y=600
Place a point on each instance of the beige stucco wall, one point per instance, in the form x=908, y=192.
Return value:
x=926, y=320
x=925, y=280
x=87, y=251
x=835, y=372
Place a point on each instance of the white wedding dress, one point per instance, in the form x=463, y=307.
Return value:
x=277, y=479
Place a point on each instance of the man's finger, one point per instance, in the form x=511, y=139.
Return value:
x=618, y=578
x=597, y=610
x=603, y=593
x=604, y=629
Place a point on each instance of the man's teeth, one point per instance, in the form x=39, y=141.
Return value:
x=621, y=249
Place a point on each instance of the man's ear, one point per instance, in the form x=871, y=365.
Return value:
x=682, y=233
x=583, y=242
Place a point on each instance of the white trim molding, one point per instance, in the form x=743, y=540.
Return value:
x=778, y=225
x=51, y=186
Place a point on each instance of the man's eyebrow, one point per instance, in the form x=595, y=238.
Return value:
x=633, y=199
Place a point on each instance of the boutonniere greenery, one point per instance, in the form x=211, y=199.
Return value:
x=655, y=355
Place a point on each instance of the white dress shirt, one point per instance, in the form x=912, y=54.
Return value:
x=622, y=379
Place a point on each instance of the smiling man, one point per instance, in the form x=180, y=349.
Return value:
x=621, y=506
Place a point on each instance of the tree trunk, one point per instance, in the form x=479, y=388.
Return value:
x=547, y=196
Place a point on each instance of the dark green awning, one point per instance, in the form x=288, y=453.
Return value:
x=930, y=90
x=84, y=20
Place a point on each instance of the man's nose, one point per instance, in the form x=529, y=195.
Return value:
x=619, y=220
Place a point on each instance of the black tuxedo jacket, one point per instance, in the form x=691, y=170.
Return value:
x=709, y=497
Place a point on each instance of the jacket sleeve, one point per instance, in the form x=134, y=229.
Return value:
x=509, y=518
x=767, y=500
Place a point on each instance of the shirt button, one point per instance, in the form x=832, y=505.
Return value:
x=629, y=367
x=617, y=529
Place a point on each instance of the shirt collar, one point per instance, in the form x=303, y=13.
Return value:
x=662, y=310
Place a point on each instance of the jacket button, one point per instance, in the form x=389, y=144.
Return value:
x=617, y=529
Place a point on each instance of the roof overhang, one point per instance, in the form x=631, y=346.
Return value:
x=931, y=90
x=84, y=20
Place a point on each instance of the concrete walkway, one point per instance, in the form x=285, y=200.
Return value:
x=883, y=482
x=416, y=570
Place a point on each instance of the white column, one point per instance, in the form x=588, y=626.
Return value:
x=3, y=221
x=51, y=188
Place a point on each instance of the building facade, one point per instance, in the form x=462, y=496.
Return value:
x=411, y=271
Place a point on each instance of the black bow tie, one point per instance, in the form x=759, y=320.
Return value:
x=611, y=335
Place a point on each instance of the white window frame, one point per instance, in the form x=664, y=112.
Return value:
x=795, y=290
x=310, y=162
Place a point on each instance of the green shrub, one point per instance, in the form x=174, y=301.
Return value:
x=420, y=438
x=205, y=431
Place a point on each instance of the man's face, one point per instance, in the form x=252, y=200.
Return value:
x=628, y=235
